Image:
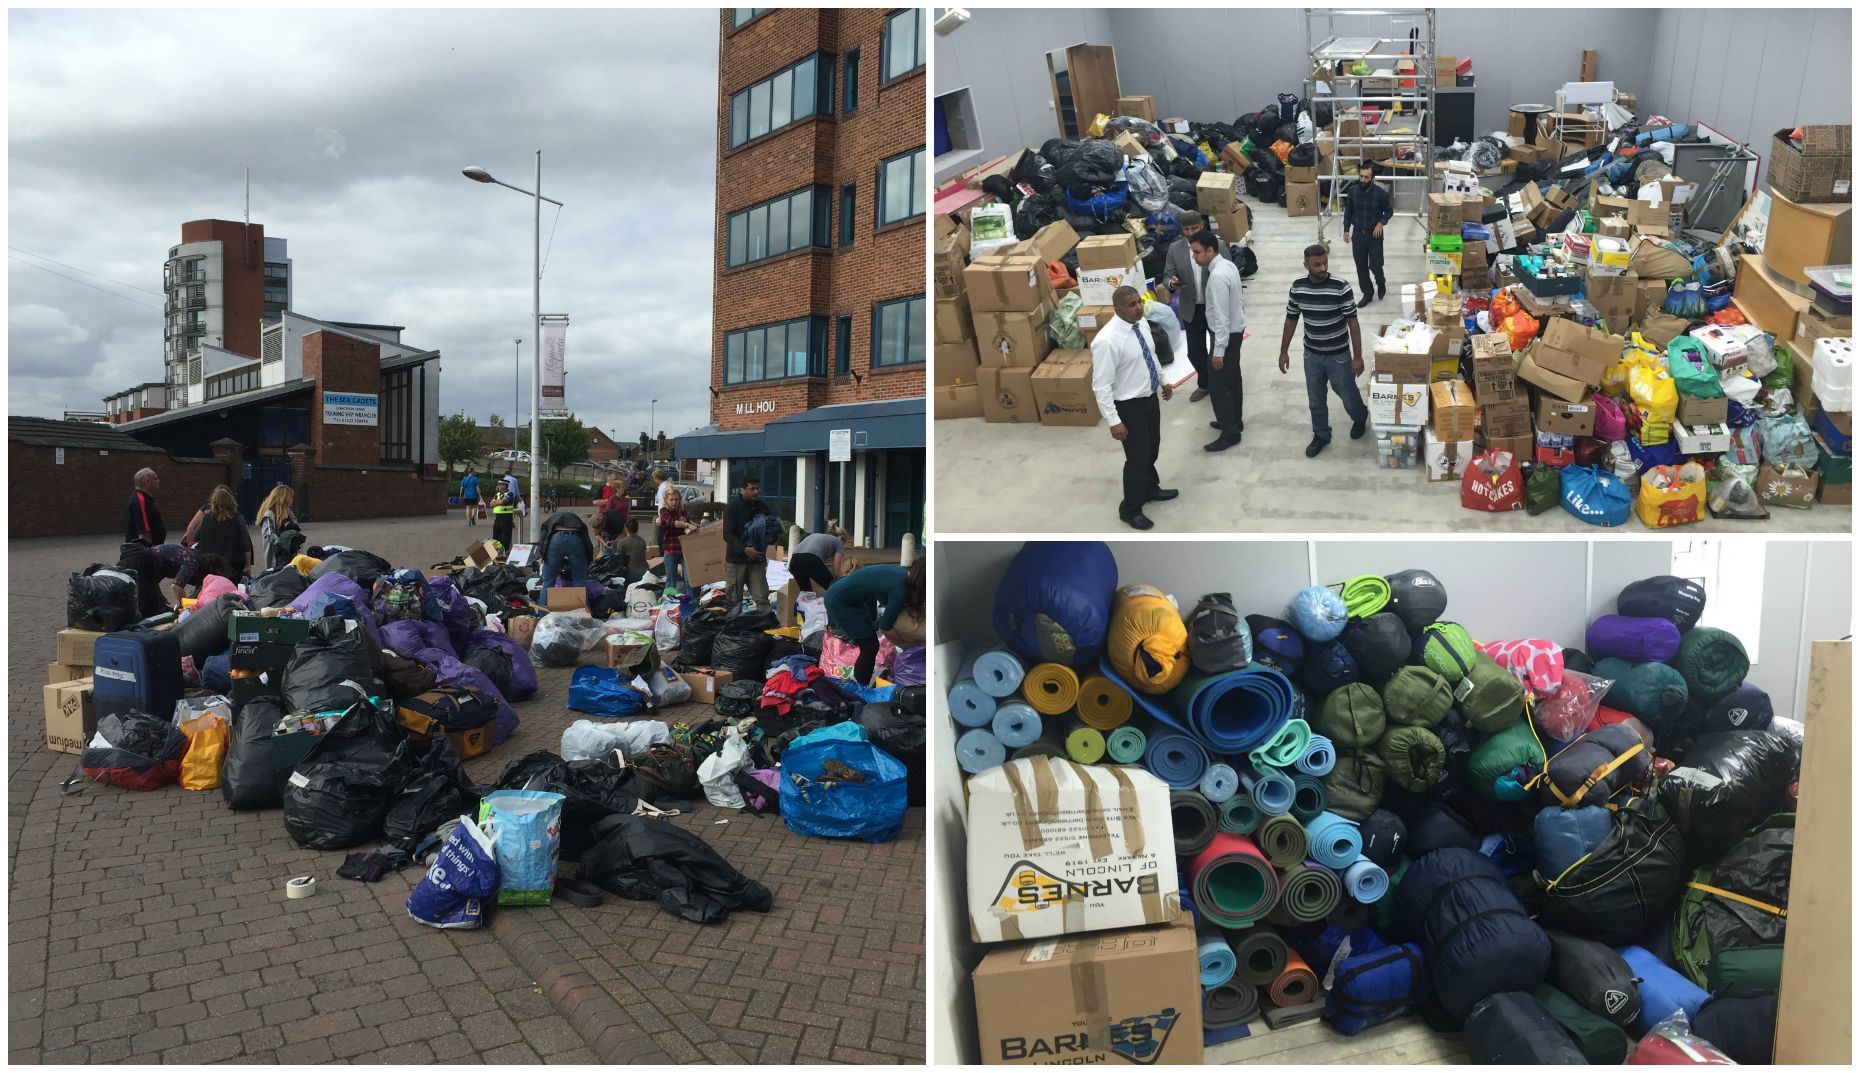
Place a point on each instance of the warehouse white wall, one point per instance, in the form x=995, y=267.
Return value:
x=1000, y=56
x=1749, y=72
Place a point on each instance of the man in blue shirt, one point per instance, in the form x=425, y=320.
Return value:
x=468, y=496
x=1366, y=207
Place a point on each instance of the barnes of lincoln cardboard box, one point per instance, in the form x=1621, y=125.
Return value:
x=1130, y=996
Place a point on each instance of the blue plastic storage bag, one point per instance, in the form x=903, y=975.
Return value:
x=599, y=691
x=463, y=874
x=1595, y=496
x=872, y=810
x=526, y=827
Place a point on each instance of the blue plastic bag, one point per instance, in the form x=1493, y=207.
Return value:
x=526, y=827
x=872, y=810
x=462, y=875
x=1595, y=496
x=599, y=691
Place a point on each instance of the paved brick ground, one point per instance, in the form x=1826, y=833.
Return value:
x=152, y=926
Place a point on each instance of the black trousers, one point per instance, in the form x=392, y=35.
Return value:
x=1142, y=421
x=1198, y=346
x=1367, y=249
x=810, y=572
x=1224, y=388
x=867, y=661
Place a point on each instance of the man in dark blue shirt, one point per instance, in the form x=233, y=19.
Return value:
x=1366, y=207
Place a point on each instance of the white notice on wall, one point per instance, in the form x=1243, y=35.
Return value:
x=60, y=459
x=839, y=445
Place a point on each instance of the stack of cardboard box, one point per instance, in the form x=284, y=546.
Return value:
x=955, y=362
x=70, y=712
x=1504, y=410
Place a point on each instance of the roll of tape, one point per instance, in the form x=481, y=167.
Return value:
x=300, y=887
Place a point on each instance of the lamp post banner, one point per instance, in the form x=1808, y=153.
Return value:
x=555, y=365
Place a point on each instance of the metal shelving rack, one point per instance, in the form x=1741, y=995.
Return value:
x=1393, y=35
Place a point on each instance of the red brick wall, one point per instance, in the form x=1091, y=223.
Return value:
x=829, y=150
x=242, y=248
x=373, y=491
x=339, y=363
x=87, y=493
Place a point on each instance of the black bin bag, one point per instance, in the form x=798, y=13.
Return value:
x=336, y=666
x=898, y=727
x=249, y=779
x=701, y=628
x=436, y=790
x=361, y=567
x=102, y=598
x=275, y=588
x=340, y=792
x=1725, y=783
x=649, y=860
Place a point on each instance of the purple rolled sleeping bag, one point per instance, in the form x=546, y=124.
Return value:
x=451, y=671
x=446, y=605
x=1637, y=640
x=321, y=591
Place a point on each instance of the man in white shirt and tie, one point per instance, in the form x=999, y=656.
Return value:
x=1220, y=291
x=1126, y=380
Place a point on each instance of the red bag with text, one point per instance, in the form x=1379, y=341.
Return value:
x=1493, y=482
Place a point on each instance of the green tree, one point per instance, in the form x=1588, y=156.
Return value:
x=458, y=441
x=496, y=421
x=564, y=442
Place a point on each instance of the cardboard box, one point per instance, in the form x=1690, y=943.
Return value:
x=75, y=646
x=1703, y=439
x=1807, y=236
x=1125, y=997
x=1007, y=396
x=1816, y=323
x=1093, y=318
x=1012, y=340
x=955, y=363
x=1231, y=226
x=1577, y=351
x=480, y=554
x=1520, y=446
x=1398, y=405
x=260, y=656
x=704, y=550
x=1108, y=252
x=1446, y=67
x=567, y=598
x=704, y=684
x=1141, y=107
x=1613, y=227
x=1453, y=409
x=1446, y=459
x=1444, y=214
x=1767, y=303
x=1215, y=192
x=1173, y=124
x=56, y=673
x=1098, y=285
x=1132, y=145
x=1050, y=243
x=1301, y=199
x=1613, y=297
x=1704, y=411
x=1567, y=388
x=1062, y=390
x=1402, y=369
x=1505, y=417
x=954, y=322
x=950, y=254
x=958, y=400
x=1301, y=174
x=1057, y=848
x=1564, y=418
x=70, y=715
x=1007, y=283
x=1835, y=495
x=1608, y=256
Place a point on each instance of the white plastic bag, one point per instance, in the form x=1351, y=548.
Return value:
x=640, y=599
x=585, y=739
x=567, y=627
x=666, y=633
x=811, y=608
x=717, y=772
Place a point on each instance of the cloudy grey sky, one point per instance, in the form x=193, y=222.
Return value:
x=124, y=124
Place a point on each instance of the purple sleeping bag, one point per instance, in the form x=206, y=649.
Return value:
x=412, y=636
x=451, y=671
x=522, y=671
x=446, y=604
x=1637, y=640
x=317, y=597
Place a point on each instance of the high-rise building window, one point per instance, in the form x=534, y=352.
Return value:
x=851, y=103
x=898, y=332
x=901, y=187
x=904, y=43
x=776, y=351
x=785, y=97
x=790, y=222
x=743, y=16
x=842, y=350
x=848, y=197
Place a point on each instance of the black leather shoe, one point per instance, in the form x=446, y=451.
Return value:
x=1138, y=521
x=1215, y=425
x=1316, y=445
x=1381, y=293
x=1221, y=444
x=1367, y=299
x=1163, y=495
x=1357, y=427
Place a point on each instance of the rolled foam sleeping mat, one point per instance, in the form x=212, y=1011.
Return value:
x=1309, y=797
x=1285, y=746
x=1663, y=989
x=1229, y=1004
x=1259, y=955
x=1308, y=891
x=1295, y=985
x=1125, y=745
x=1220, y=783
x=1084, y=745
x=1103, y=704
x=1230, y=713
x=1217, y=958
x=998, y=672
x=1366, y=881
x=1283, y=840
x=1270, y=790
x=1239, y=815
x=969, y=705
x=1366, y=595
x=978, y=750
x=1051, y=688
x=1176, y=759
x=1042, y=747
x=1017, y=724
x=1233, y=882
x=1335, y=841
x=1194, y=820
x=1320, y=756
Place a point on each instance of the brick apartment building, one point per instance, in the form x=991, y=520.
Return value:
x=818, y=321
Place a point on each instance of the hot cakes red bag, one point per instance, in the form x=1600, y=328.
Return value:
x=1493, y=482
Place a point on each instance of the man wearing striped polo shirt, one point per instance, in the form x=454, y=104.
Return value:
x=1333, y=346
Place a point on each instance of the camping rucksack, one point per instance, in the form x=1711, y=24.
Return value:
x=666, y=772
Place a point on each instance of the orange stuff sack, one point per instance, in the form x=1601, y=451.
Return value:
x=1147, y=643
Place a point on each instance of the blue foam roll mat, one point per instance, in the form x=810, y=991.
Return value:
x=1220, y=783
x=1230, y=714
x=1320, y=757
x=1213, y=1036
x=1239, y=815
x=1365, y=881
x=978, y=750
x=997, y=671
x=1285, y=747
x=1309, y=797
x=1176, y=759
x=1217, y=958
x=1017, y=724
x=970, y=705
x=1335, y=841
x=1270, y=791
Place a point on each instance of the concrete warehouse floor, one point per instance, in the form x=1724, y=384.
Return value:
x=1007, y=478
x=1406, y=1041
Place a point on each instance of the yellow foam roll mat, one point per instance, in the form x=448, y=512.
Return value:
x=1084, y=744
x=1147, y=644
x=1052, y=688
x=1103, y=705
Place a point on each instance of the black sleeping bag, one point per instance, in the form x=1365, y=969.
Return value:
x=361, y=567
x=1743, y=1028
x=1597, y=765
x=203, y=633
x=275, y=588
x=1435, y=826
x=1512, y=1028
x=1597, y=978
x=107, y=598
x=1624, y=885
x=1725, y=784
x=1472, y=929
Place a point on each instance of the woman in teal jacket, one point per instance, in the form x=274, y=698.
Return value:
x=868, y=601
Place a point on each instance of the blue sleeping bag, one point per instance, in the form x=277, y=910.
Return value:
x=1476, y=938
x=1566, y=835
x=1054, y=603
x=1381, y=985
x=1662, y=989
x=1320, y=951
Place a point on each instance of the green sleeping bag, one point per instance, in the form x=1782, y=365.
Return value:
x=1711, y=661
x=1352, y=717
x=1489, y=697
x=1382, y=913
x=1730, y=946
x=1448, y=650
x=1600, y=1040
x=1417, y=696
x=1648, y=691
x=1415, y=757
x=1504, y=763
x=1355, y=784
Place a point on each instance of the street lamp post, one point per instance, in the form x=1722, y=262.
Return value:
x=516, y=396
x=654, y=422
x=480, y=175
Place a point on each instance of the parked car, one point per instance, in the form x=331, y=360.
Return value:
x=512, y=456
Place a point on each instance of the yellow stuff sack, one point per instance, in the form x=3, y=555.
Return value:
x=1148, y=642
